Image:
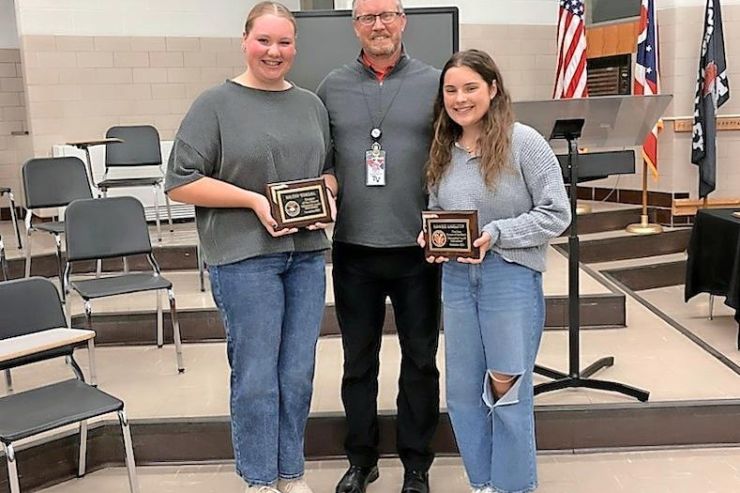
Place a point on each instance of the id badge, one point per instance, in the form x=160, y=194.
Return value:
x=375, y=166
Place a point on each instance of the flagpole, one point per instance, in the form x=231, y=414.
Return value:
x=644, y=227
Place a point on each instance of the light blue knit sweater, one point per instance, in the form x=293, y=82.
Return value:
x=526, y=207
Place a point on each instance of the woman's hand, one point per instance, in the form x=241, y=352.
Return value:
x=484, y=243
x=261, y=207
x=431, y=259
x=332, y=211
x=420, y=239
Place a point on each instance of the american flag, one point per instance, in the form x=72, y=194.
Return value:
x=646, y=75
x=570, y=78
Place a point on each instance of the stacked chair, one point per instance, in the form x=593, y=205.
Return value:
x=32, y=329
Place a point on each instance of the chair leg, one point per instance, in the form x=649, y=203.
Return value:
x=93, y=369
x=67, y=308
x=711, y=307
x=3, y=261
x=60, y=266
x=14, y=218
x=169, y=210
x=199, y=255
x=176, y=331
x=12, y=469
x=125, y=265
x=28, y=243
x=8, y=381
x=133, y=481
x=160, y=321
x=82, y=460
x=156, y=213
x=88, y=314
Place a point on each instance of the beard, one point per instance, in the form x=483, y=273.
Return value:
x=386, y=47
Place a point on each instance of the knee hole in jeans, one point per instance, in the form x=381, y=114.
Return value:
x=500, y=389
x=501, y=383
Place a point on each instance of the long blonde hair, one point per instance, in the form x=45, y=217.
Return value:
x=269, y=8
x=495, y=137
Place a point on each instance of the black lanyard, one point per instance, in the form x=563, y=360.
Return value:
x=376, y=131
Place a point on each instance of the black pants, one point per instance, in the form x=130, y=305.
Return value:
x=363, y=278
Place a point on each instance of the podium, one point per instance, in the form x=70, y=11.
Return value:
x=599, y=122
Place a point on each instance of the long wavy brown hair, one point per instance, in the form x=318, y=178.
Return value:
x=495, y=138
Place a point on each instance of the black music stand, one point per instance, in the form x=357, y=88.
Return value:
x=612, y=121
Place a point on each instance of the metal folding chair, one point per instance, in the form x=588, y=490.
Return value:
x=52, y=182
x=32, y=328
x=140, y=147
x=110, y=228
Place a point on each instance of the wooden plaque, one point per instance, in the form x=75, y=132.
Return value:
x=450, y=233
x=299, y=203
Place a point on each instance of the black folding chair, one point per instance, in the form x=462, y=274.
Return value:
x=140, y=148
x=33, y=328
x=52, y=182
x=109, y=228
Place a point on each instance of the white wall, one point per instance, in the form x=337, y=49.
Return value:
x=667, y=4
x=535, y=12
x=204, y=18
x=8, y=32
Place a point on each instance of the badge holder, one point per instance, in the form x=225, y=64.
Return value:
x=375, y=166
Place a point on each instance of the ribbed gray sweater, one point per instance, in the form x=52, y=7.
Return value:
x=249, y=137
x=525, y=209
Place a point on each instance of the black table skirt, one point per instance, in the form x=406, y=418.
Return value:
x=713, y=264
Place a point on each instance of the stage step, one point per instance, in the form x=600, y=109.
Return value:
x=598, y=311
x=621, y=246
x=205, y=440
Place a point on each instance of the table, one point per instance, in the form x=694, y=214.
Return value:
x=713, y=265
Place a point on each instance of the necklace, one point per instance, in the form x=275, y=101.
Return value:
x=470, y=149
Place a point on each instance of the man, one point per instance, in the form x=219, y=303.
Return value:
x=381, y=110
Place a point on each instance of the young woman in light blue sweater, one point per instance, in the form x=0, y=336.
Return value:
x=494, y=306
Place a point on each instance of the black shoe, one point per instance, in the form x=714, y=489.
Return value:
x=356, y=479
x=415, y=482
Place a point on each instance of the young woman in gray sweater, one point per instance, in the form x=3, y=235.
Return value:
x=494, y=306
x=268, y=283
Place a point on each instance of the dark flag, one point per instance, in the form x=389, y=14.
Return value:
x=712, y=90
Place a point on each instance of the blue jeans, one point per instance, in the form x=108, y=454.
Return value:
x=271, y=307
x=493, y=318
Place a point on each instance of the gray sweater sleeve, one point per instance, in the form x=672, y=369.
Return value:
x=550, y=214
x=195, y=150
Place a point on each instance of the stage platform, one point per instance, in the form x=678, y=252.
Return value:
x=666, y=346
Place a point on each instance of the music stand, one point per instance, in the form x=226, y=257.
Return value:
x=610, y=121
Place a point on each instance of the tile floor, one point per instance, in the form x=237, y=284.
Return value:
x=665, y=471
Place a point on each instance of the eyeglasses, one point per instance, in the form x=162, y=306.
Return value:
x=385, y=18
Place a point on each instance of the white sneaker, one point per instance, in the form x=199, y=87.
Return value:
x=487, y=489
x=260, y=488
x=293, y=486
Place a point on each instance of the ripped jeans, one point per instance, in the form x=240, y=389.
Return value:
x=494, y=314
